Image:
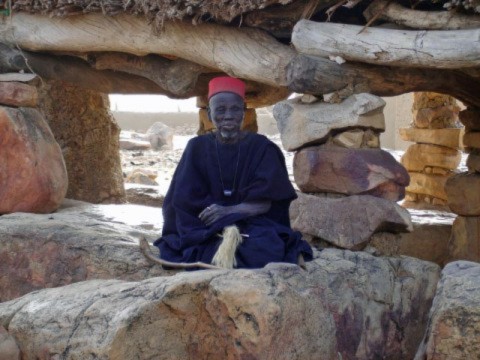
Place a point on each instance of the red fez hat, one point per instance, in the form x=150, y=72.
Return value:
x=226, y=84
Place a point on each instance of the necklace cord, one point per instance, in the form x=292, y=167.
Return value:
x=228, y=192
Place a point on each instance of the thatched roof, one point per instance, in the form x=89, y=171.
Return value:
x=157, y=11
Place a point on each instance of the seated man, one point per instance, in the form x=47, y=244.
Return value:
x=230, y=195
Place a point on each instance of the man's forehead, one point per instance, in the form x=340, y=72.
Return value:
x=226, y=98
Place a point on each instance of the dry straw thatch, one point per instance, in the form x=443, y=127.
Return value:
x=156, y=11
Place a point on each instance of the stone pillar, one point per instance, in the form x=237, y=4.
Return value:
x=431, y=161
x=338, y=159
x=206, y=126
x=463, y=193
x=89, y=138
x=33, y=177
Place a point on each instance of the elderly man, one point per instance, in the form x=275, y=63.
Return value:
x=229, y=198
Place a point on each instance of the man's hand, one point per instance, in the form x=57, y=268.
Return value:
x=213, y=213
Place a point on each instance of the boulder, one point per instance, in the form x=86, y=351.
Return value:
x=428, y=241
x=419, y=156
x=249, y=122
x=134, y=144
x=346, y=305
x=144, y=195
x=8, y=347
x=347, y=222
x=454, y=320
x=443, y=137
x=473, y=162
x=470, y=118
x=426, y=99
x=160, y=136
x=328, y=168
x=305, y=124
x=472, y=139
x=465, y=240
x=428, y=184
x=79, y=242
x=88, y=135
x=33, y=177
x=436, y=118
x=463, y=194
x=18, y=94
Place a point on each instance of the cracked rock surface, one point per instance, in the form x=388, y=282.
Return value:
x=347, y=304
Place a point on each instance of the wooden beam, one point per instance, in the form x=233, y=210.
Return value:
x=242, y=52
x=420, y=20
x=318, y=76
x=449, y=49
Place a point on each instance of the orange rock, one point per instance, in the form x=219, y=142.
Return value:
x=436, y=118
x=18, y=94
x=463, y=191
x=33, y=177
x=420, y=156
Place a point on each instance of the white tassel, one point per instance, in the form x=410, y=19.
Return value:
x=225, y=255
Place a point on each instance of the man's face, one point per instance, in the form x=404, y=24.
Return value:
x=226, y=111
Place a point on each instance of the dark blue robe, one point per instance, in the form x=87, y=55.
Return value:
x=261, y=175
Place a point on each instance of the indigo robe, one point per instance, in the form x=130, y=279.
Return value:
x=255, y=169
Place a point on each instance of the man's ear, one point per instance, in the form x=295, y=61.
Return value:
x=209, y=113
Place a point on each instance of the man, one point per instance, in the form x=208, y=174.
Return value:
x=229, y=197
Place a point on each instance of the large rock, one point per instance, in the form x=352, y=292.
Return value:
x=301, y=124
x=89, y=138
x=473, y=162
x=18, y=94
x=436, y=118
x=454, y=320
x=419, y=156
x=33, y=177
x=443, y=137
x=328, y=168
x=465, y=240
x=463, y=192
x=79, y=242
x=160, y=136
x=428, y=99
x=346, y=305
x=428, y=184
x=347, y=222
x=428, y=241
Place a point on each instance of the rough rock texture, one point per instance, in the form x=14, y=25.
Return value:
x=79, y=242
x=8, y=347
x=142, y=176
x=436, y=118
x=346, y=305
x=428, y=184
x=419, y=156
x=160, y=135
x=472, y=139
x=33, y=177
x=454, y=320
x=144, y=195
x=465, y=240
x=347, y=222
x=443, y=137
x=134, y=144
x=428, y=241
x=463, y=191
x=305, y=124
x=328, y=168
x=470, y=117
x=88, y=136
x=18, y=94
x=357, y=139
x=249, y=122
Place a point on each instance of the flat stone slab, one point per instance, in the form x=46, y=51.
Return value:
x=306, y=124
x=454, y=320
x=419, y=156
x=348, y=222
x=79, y=242
x=428, y=184
x=348, y=305
x=443, y=137
x=18, y=94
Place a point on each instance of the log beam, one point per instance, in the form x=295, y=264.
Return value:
x=420, y=20
x=449, y=49
x=318, y=76
x=242, y=52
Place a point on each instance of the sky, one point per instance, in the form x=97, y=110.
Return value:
x=151, y=103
